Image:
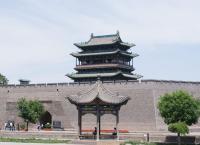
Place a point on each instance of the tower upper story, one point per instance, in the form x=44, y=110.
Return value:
x=104, y=56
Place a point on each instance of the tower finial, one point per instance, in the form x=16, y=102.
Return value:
x=98, y=78
x=98, y=82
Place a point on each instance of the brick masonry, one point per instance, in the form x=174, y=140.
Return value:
x=139, y=114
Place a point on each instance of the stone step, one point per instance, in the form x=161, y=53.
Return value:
x=84, y=142
x=101, y=142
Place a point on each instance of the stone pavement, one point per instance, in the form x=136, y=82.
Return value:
x=13, y=143
x=73, y=143
x=108, y=142
x=84, y=142
x=101, y=142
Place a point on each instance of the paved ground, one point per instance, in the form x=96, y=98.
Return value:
x=12, y=143
x=74, y=143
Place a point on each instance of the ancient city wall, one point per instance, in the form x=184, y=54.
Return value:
x=140, y=113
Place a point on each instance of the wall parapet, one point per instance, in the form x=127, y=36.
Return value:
x=105, y=82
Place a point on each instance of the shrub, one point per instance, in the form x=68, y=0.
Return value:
x=48, y=125
x=137, y=143
x=22, y=126
x=179, y=127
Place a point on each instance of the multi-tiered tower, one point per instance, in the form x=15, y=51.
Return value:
x=104, y=56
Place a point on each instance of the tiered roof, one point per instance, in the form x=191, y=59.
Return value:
x=98, y=94
x=108, y=55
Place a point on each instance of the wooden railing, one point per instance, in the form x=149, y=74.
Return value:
x=105, y=65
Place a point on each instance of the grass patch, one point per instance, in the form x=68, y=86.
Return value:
x=137, y=143
x=33, y=140
x=148, y=143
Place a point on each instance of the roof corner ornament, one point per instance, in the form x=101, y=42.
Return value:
x=92, y=35
x=117, y=32
x=118, y=37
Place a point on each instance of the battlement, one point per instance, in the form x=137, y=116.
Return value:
x=148, y=81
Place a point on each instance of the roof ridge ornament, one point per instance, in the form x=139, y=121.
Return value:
x=98, y=78
x=98, y=83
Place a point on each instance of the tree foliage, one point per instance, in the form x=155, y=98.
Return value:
x=179, y=106
x=179, y=127
x=30, y=111
x=3, y=80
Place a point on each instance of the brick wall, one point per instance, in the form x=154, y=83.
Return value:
x=140, y=113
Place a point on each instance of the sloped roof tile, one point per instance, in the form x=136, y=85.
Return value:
x=104, y=40
x=98, y=91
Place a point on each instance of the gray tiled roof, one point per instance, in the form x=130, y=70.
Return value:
x=95, y=75
x=103, y=40
x=98, y=91
x=132, y=76
x=105, y=53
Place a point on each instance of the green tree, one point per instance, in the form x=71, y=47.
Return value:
x=3, y=80
x=179, y=110
x=30, y=111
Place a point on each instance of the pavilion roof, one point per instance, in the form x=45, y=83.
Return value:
x=103, y=40
x=95, y=75
x=100, y=93
x=104, y=53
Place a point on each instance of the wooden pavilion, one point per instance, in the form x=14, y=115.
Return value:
x=98, y=101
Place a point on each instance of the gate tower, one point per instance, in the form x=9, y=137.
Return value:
x=105, y=56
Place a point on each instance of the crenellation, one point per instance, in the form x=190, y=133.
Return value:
x=52, y=84
x=42, y=84
x=63, y=84
x=147, y=82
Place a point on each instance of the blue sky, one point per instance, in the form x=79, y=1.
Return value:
x=36, y=36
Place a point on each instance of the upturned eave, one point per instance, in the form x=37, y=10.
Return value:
x=78, y=54
x=96, y=75
x=98, y=94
